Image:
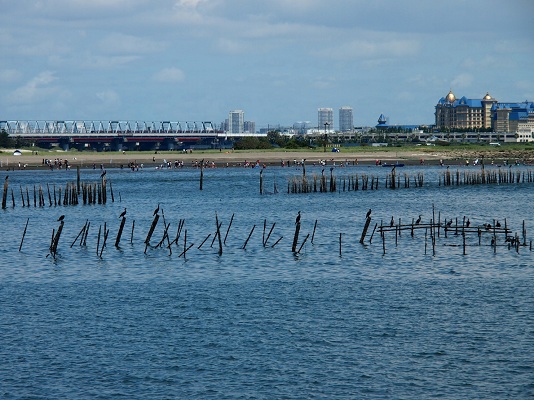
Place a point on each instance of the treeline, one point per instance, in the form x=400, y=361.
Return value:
x=273, y=140
x=6, y=142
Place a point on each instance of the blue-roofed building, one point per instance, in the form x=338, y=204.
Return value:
x=484, y=114
x=508, y=117
x=464, y=113
x=382, y=122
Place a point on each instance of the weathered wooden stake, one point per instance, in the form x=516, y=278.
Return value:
x=364, y=232
x=119, y=234
x=204, y=241
x=313, y=234
x=268, y=235
x=303, y=243
x=4, y=196
x=219, y=234
x=24, y=234
x=295, y=237
x=249, y=235
x=228, y=230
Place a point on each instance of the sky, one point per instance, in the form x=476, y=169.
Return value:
x=277, y=60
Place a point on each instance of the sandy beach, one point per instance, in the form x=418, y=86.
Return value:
x=35, y=160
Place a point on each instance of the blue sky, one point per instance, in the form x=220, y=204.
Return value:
x=278, y=60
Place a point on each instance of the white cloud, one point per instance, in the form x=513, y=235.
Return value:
x=109, y=98
x=35, y=89
x=169, y=75
x=462, y=81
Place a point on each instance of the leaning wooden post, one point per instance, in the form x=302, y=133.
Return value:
x=82, y=231
x=24, y=234
x=269, y=235
x=372, y=234
x=364, y=232
x=264, y=227
x=228, y=230
x=78, y=178
x=219, y=234
x=4, y=196
x=313, y=234
x=340, y=244
x=261, y=181
x=151, y=231
x=249, y=235
x=303, y=243
x=295, y=237
x=106, y=233
x=56, y=239
x=201, y=176
x=98, y=239
x=131, y=235
x=119, y=234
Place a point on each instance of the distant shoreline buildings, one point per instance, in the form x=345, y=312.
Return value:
x=456, y=120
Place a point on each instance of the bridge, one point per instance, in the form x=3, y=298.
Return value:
x=120, y=135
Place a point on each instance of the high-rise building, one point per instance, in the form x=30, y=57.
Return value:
x=346, y=119
x=250, y=127
x=236, y=121
x=325, y=118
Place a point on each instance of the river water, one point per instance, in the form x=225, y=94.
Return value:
x=264, y=322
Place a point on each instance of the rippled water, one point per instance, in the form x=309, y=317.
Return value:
x=263, y=322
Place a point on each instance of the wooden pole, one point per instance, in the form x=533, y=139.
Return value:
x=98, y=239
x=119, y=234
x=201, y=176
x=4, y=196
x=364, y=232
x=303, y=243
x=249, y=235
x=24, y=234
x=281, y=237
x=82, y=231
x=268, y=235
x=313, y=234
x=219, y=234
x=228, y=230
x=295, y=237
x=261, y=181
x=131, y=235
x=204, y=241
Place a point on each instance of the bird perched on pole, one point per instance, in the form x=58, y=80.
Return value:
x=156, y=210
x=368, y=213
x=123, y=213
x=61, y=218
x=392, y=222
x=418, y=220
x=297, y=220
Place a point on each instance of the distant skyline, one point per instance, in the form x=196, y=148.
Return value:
x=279, y=61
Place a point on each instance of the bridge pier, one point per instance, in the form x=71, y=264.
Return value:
x=64, y=144
x=116, y=145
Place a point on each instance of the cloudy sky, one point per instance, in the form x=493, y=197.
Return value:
x=278, y=60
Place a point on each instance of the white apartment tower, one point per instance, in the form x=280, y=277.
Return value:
x=325, y=118
x=236, y=122
x=346, y=119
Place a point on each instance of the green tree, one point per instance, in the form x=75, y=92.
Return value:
x=5, y=140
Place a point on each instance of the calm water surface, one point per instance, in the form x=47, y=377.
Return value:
x=264, y=322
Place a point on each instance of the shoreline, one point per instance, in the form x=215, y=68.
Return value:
x=229, y=158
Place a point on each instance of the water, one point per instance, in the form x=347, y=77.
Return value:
x=263, y=322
